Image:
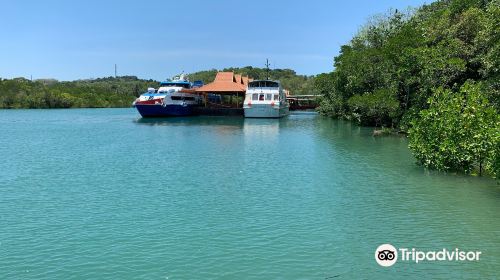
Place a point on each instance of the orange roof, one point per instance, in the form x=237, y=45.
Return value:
x=222, y=87
x=238, y=79
x=224, y=82
x=224, y=77
x=245, y=80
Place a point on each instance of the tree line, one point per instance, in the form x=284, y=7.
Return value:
x=49, y=93
x=432, y=72
x=121, y=91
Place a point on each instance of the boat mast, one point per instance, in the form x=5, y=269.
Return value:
x=267, y=69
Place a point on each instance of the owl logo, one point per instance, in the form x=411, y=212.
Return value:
x=386, y=255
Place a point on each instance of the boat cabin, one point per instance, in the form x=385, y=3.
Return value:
x=265, y=90
x=263, y=84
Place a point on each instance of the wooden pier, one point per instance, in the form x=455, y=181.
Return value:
x=303, y=102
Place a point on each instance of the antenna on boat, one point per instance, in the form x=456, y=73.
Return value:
x=267, y=69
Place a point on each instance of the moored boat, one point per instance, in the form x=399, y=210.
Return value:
x=173, y=98
x=265, y=99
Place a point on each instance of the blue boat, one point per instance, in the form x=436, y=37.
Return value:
x=173, y=98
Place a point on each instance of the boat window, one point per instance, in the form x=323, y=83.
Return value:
x=271, y=84
x=253, y=84
x=191, y=98
x=255, y=96
x=269, y=96
x=276, y=97
x=261, y=97
x=169, y=84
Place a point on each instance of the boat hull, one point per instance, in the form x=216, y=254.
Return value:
x=158, y=110
x=265, y=111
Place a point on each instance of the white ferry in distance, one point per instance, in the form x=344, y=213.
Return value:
x=265, y=99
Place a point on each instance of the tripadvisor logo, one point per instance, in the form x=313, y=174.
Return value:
x=387, y=255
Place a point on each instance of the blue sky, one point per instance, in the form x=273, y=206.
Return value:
x=70, y=40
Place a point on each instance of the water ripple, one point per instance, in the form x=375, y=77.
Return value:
x=103, y=194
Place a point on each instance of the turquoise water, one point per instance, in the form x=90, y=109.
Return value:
x=103, y=194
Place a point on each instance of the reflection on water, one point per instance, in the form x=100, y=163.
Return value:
x=250, y=126
x=190, y=121
x=230, y=120
x=263, y=127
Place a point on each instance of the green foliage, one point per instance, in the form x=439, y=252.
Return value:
x=397, y=62
x=442, y=44
x=379, y=108
x=331, y=103
x=459, y=131
x=206, y=76
x=49, y=93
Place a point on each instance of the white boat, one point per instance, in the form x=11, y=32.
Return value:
x=265, y=99
x=173, y=98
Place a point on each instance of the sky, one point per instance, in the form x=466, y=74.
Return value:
x=69, y=40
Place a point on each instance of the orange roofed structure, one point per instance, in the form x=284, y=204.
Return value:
x=246, y=80
x=226, y=83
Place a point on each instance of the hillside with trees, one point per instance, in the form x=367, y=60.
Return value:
x=434, y=73
x=48, y=93
x=120, y=91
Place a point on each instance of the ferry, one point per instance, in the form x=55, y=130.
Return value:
x=265, y=99
x=175, y=97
